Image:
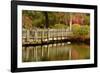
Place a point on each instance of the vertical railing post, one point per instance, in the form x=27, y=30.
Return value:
x=48, y=33
x=43, y=35
x=53, y=33
x=36, y=35
x=62, y=36
x=28, y=36
x=66, y=33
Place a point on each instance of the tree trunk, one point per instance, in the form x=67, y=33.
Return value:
x=46, y=19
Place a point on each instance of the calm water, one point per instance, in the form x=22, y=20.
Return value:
x=53, y=52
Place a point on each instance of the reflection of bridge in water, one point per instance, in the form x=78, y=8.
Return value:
x=44, y=35
x=40, y=45
x=51, y=52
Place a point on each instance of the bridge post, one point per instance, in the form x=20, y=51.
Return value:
x=43, y=34
x=47, y=35
x=61, y=36
x=36, y=35
x=27, y=36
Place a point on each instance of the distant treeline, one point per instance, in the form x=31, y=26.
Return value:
x=42, y=19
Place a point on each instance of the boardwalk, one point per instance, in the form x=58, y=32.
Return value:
x=44, y=35
x=34, y=52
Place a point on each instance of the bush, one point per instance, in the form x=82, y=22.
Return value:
x=80, y=30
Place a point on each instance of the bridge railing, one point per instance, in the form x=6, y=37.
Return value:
x=38, y=35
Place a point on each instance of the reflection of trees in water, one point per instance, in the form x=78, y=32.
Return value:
x=80, y=51
x=74, y=54
x=45, y=53
x=55, y=52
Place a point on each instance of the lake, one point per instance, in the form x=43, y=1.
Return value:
x=55, y=52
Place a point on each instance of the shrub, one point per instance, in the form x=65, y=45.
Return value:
x=80, y=30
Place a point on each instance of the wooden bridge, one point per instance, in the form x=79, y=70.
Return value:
x=39, y=36
x=44, y=35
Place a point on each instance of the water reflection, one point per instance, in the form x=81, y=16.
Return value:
x=53, y=52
